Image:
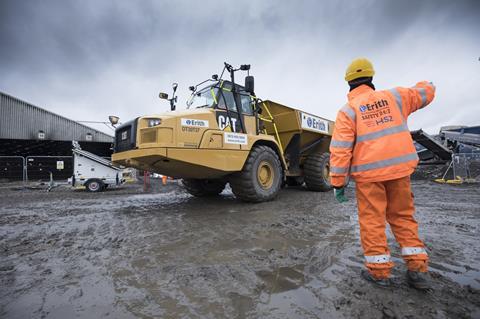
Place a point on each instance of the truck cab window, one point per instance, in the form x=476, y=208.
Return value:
x=203, y=98
x=225, y=100
x=246, y=104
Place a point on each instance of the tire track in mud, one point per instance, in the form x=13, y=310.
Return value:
x=235, y=254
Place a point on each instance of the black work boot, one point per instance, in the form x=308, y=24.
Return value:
x=418, y=280
x=379, y=282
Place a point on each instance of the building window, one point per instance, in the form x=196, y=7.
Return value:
x=89, y=137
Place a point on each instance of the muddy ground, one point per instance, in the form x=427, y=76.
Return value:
x=165, y=254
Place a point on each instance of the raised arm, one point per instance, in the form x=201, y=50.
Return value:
x=415, y=98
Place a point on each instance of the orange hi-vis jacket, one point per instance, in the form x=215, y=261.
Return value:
x=371, y=141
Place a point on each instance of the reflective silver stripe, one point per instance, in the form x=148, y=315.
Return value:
x=384, y=163
x=349, y=111
x=341, y=144
x=406, y=251
x=423, y=94
x=398, y=99
x=338, y=170
x=388, y=131
x=377, y=259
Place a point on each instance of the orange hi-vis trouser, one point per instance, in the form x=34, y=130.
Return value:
x=389, y=201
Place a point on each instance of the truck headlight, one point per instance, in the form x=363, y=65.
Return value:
x=154, y=122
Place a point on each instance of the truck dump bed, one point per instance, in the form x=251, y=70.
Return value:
x=286, y=123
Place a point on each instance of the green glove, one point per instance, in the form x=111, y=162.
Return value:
x=340, y=195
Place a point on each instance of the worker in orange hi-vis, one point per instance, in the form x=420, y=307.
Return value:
x=372, y=144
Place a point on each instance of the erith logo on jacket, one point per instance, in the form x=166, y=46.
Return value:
x=372, y=112
x=373, y=107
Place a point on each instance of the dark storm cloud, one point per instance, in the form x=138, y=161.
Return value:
x=71, y=35
x=85, y=54
x=45, y=35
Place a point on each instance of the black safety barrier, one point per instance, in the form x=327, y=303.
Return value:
x=40, y=167
x=36, y=168
x=12, y=168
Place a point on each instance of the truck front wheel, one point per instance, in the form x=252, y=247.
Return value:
x=317, y=172
x=203, y=187
x=261, y=176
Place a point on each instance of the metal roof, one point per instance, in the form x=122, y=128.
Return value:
x=23, y=121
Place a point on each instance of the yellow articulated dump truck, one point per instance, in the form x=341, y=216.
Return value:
x=228, y=135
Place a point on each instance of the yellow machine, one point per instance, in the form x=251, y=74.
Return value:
x=228, y=135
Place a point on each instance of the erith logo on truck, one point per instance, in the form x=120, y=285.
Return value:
x=313, y=123
x=193, y=122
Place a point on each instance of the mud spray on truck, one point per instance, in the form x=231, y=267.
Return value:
x=229, y=135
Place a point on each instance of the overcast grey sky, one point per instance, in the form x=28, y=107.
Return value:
x=89, y=59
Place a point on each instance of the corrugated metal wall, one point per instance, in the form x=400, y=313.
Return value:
x=21, y=120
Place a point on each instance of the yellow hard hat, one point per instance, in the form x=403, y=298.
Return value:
x=359, y=68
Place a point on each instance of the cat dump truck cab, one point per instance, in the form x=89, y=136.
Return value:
x=228, y=135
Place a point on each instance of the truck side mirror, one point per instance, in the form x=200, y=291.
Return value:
x=250, y=84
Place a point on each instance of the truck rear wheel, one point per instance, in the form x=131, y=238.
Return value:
x=203, y=187
x=317, y=172
x=94, y=185
x=261, y=176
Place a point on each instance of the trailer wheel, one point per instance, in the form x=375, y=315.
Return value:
x=203, y=187
x=261, y=176
x=94, y=185
x=317, y=172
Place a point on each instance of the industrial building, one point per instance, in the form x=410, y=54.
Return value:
x=35, y=142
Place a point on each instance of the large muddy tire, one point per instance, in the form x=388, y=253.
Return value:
x=203, y=187
x=261, y=176
x=317, y=172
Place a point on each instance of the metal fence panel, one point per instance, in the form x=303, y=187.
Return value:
x=36, y=168
x=12, y=168
x=40, y=167
x=466, y=166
